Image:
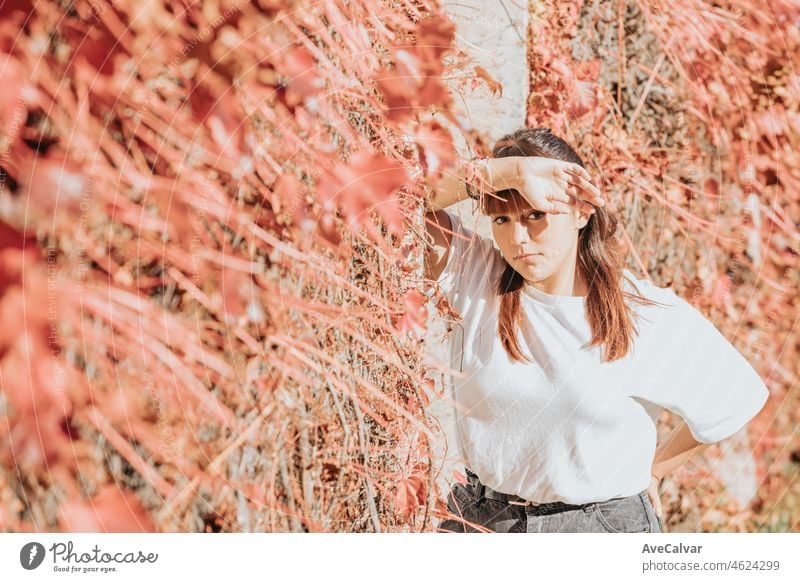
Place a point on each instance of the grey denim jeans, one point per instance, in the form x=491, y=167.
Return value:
x=632, y=514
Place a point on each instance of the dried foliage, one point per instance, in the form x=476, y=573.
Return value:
x=211, y=239
x=210, y=280
x=690, y=113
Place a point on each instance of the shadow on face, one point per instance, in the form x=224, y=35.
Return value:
x=551, y=240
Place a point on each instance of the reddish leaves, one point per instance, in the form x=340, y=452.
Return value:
x=287, y=196
x=55, y=187
x=110, y=511
x=93, y=43
x=323, y=227
x=580, y=85
x=434, y=39
x=220, y=114
x=13, y=82
x=415, y=314
x=161, y=144
x=413, y=83
x=17, y=94
x=366, y=182
x=494, y=85
x=40, y=388
x=236, y=293
x=302, y=78
x=411, y=494
x=720, y=292
x=437, y=148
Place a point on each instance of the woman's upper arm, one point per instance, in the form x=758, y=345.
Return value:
x=439, y=227
x=693, y=370
x=467, y=262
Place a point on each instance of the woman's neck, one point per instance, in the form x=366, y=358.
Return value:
x=568, y=283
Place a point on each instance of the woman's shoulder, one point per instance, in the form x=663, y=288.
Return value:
x=473, y=266
x=656, y=303
x=644, y=287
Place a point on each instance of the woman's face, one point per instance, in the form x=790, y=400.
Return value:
x=552, y=238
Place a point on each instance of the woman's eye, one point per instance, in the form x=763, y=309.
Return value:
x=536, y=214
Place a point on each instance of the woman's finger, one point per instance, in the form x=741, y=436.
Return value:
x=585, y=185
x=575, y=170
x=656, y=503
x=562, y=183
x=590, y=191
x=657, y=507
x=581, y=178
x=581, y=205
x=582, y=196
x=655, y=500
x=558, y=207
x=558, y=195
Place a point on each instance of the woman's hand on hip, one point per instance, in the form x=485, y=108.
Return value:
x=556, y=186
x=652, y=493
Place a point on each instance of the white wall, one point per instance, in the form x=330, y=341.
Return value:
x=493, y=33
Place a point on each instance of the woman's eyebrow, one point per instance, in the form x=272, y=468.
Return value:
x=506, y=213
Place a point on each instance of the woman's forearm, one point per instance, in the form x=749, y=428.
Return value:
x=495, y=173
x=677, y=448
x=449, y=189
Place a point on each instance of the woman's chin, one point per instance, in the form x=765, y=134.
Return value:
x=533, y=275
x=536, y=267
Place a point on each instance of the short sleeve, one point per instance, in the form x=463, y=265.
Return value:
x=472, y=265
x=696, y=372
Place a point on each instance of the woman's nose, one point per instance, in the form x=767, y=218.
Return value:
x=519, y=233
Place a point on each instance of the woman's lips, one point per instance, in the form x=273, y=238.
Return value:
x=529, y=258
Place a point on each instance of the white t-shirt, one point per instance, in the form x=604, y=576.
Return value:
x=570, y=427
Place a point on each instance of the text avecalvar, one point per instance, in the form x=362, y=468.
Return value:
x=671, y=549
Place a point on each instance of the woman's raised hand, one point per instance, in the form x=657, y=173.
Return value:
x=555, y=186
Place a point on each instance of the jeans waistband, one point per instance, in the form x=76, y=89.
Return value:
x=486, y=492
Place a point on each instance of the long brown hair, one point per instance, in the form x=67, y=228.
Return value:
x=600, y=258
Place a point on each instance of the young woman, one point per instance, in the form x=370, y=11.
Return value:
x=567, y=357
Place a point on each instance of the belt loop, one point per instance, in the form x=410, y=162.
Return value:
x=481, y=488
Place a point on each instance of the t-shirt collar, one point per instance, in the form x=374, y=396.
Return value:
x=552, y=300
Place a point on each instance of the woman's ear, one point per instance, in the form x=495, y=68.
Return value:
x=583, y=218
